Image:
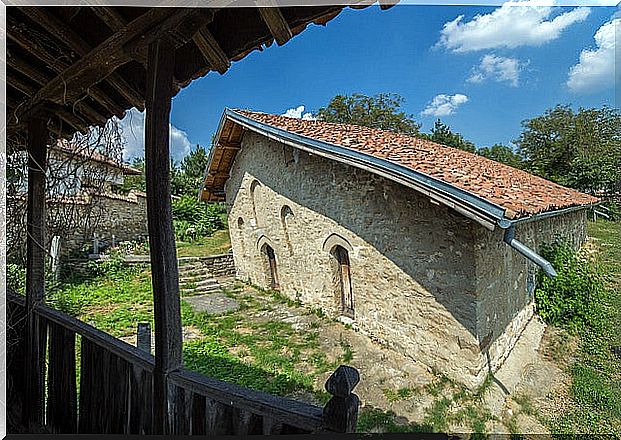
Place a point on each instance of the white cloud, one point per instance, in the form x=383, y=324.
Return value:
x=497, y=68
x=514, y=24
x=596, y=69
x=133, y=134
x=444, y=105
x=298, y=112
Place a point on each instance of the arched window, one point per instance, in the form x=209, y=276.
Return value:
x=254, y=195
x=240, y=230
x=343, y=280
x=272, y=271
x=286, y=216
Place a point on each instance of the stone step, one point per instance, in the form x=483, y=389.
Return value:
x=196, y=277
x=204, y=274
x=197, y=284
x=201, y=291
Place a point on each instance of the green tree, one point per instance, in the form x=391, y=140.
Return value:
x=442, y=134
x=188, y=176
x=138, y=181
x=382, y=111
x=503, y=154
x=577, y=149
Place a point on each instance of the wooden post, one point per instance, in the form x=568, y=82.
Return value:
x=341, y=412
x=35, y=272
x=143, y=337
x=164, y=270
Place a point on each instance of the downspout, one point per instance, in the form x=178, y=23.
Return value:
x=533, y=256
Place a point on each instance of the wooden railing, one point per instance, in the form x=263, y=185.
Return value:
x=116, y=388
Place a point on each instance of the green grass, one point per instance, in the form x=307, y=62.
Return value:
x=218, y=243
x=596, y=373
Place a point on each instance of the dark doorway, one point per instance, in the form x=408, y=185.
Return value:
x=344, y=281
x=273, y=271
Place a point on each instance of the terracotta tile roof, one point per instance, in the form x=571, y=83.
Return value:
x=84, y=152
x=519, y=192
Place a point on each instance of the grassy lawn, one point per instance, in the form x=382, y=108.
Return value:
x=218, y=243
x=265, y=354
x=595, y=390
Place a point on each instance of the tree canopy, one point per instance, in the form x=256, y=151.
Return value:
x=442, y=134
x=503, y=154
x=580, y=149
x=382, y=111
x=186, y=178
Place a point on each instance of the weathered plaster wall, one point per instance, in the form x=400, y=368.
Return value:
x=426, y=280
x=506, y=279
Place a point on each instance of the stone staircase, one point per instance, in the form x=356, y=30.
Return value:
x=196, y=279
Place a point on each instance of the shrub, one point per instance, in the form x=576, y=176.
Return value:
x=16, y=278
x=193, y=219
x=572, y=299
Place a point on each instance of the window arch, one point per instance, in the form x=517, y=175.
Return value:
x=240, y=231
x=254, y=194
x=342, y=278
x=286, y=216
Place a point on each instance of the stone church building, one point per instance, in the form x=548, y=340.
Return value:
x=429, y=249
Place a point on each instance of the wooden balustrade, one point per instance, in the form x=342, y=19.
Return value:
x=116, y=388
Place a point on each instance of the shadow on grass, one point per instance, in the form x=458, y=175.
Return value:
x=213, y=360
x=375, y=420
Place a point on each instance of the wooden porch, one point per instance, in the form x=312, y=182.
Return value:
x=69, y=68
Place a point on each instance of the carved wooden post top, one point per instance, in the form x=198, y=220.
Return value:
x=343, y=381
x=341, y=413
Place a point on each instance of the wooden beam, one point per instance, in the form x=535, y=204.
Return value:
x=21, y=85
x=35, y=271
x=24, y=38
x=110, y=17
x=106, y=58
x=276, y=23
x=25, y=69
x=211, y=50
x=164, y=270
x=73, y=41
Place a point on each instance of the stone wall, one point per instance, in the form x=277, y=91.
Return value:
x=417, y=268
x=506, y=279
x=220, y=266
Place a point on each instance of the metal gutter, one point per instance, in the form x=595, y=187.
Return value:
x=472, y=206
x=533, y=256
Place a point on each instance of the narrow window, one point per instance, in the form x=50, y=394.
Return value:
x=253, y=198
x=343, y=276
x=240, y=228
x=272, y=274
x=286, y=215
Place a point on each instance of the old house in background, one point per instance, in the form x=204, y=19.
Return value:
x=430, y=249
x=85, y=199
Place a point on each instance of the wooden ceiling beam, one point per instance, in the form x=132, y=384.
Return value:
x=106, y=58
x=110, y=17
x=211, y=50
x=276, y=23
x=28, y=41
x=76, y=43
x=21, y=66
x=22, y=86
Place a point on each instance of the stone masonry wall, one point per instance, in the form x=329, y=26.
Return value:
x=412, y=261
x=221, y=265
x=506, y=279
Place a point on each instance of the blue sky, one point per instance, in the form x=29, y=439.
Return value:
x=482, y=74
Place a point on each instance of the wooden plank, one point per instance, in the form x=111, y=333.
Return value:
x=198, y=420
x=87, y=374
x=211, y=50
x=276, y=23
x=62, y=415
x=164, y=270
x=110, y=17
x=293, y=412
x=35, y=270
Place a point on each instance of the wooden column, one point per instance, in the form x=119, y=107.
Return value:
x=164, y=270
x=35, y=272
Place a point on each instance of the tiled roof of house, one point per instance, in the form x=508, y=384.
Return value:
x=520, y=193
x=87, y=153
